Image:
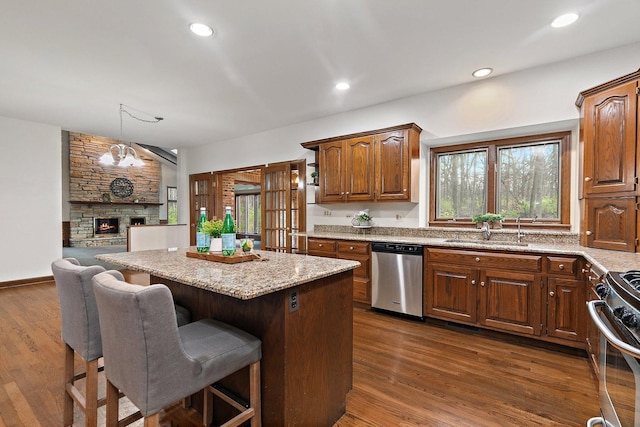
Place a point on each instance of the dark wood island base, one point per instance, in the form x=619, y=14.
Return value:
x=307, y=345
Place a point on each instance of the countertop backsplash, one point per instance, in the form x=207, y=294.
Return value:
x=506, y=235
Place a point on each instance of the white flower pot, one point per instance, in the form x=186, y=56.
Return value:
x=216, y=244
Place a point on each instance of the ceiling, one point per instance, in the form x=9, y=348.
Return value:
x=270, y=63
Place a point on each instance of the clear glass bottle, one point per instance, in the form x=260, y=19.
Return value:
x=228, y=234
x=203, y=240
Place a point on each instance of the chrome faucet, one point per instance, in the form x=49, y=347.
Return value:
x=486, y=231
x=520, y=234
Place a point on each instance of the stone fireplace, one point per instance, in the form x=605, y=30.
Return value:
x=126, y=196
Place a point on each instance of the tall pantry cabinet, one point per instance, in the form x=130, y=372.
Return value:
x=610, y=136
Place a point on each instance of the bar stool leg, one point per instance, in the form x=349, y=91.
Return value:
x=152, y=420
x=113, y=395
x=254, y=394
x=91, y=393
x=68, y=380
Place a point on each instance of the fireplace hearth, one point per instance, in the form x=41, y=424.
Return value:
x=106, y=226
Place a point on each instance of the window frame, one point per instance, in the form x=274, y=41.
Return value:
x=257, y=199
x=563, y=223
x=171, y=202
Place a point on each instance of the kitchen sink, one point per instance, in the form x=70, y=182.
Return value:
x=486, y=242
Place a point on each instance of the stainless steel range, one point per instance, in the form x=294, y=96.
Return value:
x=617, y=317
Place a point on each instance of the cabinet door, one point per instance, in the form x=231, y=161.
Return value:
x=611, y=223
x=450, y=292
x=331, y=158
x=393, y=166
x=359, y=169
x=510, y=301
x=593, y=336
x=566, y=314
x=610, y=140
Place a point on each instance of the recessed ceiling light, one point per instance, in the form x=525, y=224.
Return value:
x=564, y=20
x=201, y=30
x=343, y=86
x=482, y=72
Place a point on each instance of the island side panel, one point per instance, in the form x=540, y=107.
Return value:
x=307, y=354
x=319, y=356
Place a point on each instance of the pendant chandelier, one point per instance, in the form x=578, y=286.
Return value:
x=122, y=154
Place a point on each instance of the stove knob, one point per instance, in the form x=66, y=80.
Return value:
x=629, y=320
x=619, y=311
x=602, y=290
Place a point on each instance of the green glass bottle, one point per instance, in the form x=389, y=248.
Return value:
x=228, y=234
x=203, y=240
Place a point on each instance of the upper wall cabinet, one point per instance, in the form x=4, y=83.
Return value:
x=378, y=165
x=610, y=140
x=610, y=137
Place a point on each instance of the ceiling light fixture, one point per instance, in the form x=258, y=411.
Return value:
x=564, y=20
x=482, y=72
x=343, y=86
x=201, y=30
x=122, y=154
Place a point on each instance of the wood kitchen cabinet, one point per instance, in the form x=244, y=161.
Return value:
x=535, y=295
x=346, y=170
x=371, y=166
x=351, y=250
x=493, y=290
x=566, y=296
x=611, y=159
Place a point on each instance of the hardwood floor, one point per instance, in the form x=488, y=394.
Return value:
x=406, y=373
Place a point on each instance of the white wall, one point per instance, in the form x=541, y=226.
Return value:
x=168, y=178
x=538, y=99
x=31, y=188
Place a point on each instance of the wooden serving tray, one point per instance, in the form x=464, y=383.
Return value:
x=238, y=257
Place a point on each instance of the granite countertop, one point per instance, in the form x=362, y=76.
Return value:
x=605, y=260
x=274, y=272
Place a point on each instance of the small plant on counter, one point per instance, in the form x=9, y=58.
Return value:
x=491, y=218
x=363, y=217
x=213, y=228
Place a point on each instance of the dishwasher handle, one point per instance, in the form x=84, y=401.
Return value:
x=397, y=248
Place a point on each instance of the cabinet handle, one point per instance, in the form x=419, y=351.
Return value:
x=477, y=259
x=587, y=178
x=405, y=190
x=584, y=270
x=551, y=293
x=588, y=233
x=473, y=282
x=320, y=245
x=561, y=267
x=482, y=284
x=347, y=192
x=350, y=248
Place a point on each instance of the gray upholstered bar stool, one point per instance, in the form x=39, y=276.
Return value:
x=81, y=335
x=155, y=363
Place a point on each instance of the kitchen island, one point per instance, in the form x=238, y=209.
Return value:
x=299, y=306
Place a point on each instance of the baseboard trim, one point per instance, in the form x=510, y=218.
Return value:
x=24, y=282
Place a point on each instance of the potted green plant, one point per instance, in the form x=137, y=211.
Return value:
x=494, y=220
x=362, y=218
x=315, y=175
x=214, y=229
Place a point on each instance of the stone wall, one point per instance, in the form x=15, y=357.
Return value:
x=90, y=181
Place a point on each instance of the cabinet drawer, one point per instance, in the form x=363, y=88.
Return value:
x=476, y=259
x=361, y=290
x=350, y=247
x=321, y=246
x=365, y=264
x=562, y=265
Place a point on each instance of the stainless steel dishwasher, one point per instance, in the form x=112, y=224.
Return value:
x=396, y=271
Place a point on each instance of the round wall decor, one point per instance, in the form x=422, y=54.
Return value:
x=121, y=187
